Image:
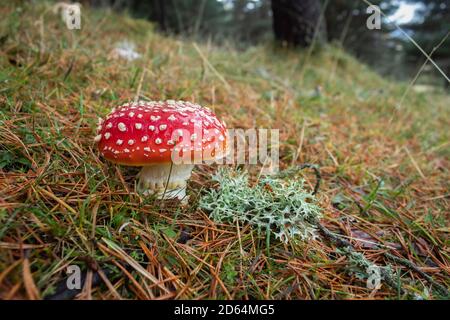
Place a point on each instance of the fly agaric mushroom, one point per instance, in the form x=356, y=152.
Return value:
x=165, y=138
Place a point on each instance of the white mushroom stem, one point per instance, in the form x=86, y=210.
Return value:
x=166, y=180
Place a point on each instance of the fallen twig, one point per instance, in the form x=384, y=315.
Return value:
x=343, y=243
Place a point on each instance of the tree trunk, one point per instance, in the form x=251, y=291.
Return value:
x=295, y=22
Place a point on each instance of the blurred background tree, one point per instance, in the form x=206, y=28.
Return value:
x=430, y=27
x=298, y=22
x=347, y=27
x=249, y=22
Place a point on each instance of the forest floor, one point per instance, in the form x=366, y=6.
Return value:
x=383, y=156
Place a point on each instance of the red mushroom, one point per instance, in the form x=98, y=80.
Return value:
x=166, y=138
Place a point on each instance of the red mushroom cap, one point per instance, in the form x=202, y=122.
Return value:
x=144, y=133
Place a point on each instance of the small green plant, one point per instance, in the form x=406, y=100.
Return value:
x=280, y=206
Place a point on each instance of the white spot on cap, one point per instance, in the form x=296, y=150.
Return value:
x=147, y=149
x=151, y=128
x=155, y=118
x=126, y=150
x=170, y=143
x=172, y=118
x=122, y=127
x=158, y=141
x=163, y=127
x=98, y=138
x=107, y=135
x=131, y=142
x=144, y=138
x=119, y=142
x=131, y=114
x=162, y=150
x=138, y=126
x=109, y=125
x=139, y=115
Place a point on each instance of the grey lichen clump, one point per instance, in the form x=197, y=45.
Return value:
x=280, y=206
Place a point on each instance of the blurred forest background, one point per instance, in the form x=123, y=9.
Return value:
x=341, y=22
